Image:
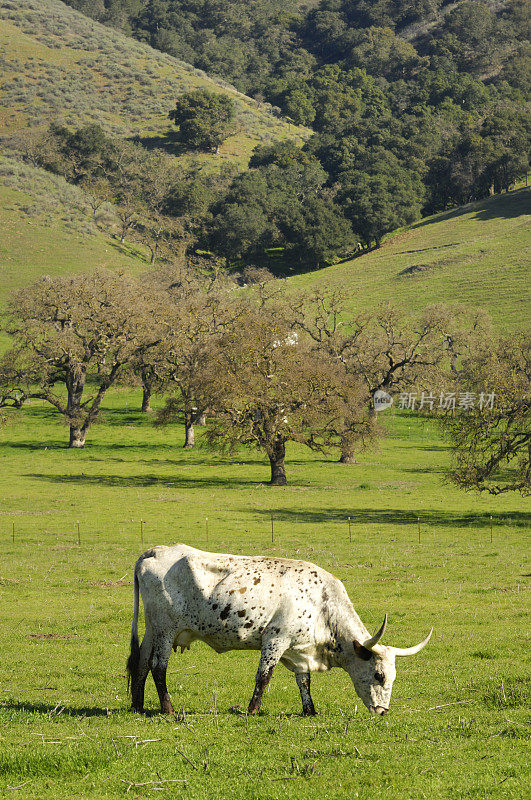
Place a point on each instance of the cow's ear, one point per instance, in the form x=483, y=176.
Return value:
x=361, y=651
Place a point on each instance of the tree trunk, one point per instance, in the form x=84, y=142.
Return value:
x=347, y=452
x=276, y=459
x=77, y=437
x=189, y=435
x=191, y=417
x=147, y=377
x=75, y=384
x=201, y=418
x=146, y=397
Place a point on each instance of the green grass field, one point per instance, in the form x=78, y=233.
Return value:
x=458, y=723
x=36, y=243
x=477, y=254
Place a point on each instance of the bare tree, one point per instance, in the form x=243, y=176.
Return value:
x=77, y=332
x=197, y=310
x=491, y=431
x=271, y=386
x=388, y=349
x=127, y=213
x=162, y=235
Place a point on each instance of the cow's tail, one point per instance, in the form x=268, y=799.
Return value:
x=134, y=656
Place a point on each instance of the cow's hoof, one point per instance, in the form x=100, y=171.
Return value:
x=138, y=709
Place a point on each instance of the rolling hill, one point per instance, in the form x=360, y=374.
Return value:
x=477, y=254
x=47, y=229
x=58, y=65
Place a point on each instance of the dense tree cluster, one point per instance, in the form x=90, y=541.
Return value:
x=258, y=45
x=281, y=202
x=416, y=106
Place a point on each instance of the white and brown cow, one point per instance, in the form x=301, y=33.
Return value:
x=292, y=611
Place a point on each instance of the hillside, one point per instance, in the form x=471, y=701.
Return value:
x=58, y=65
x=477, y=254
x=47, y=229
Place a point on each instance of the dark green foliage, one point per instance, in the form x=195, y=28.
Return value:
x=473, y=38
x=378, y=203
x=203, y=118
x=413, y=83
x=281, y=202
x=480, y=162
x=84, y=153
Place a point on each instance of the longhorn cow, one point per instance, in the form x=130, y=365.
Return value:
x=292, y=611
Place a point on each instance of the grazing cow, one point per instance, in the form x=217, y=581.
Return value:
x=292, y=611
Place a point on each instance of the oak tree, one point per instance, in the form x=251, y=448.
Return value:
x=73, y=336
x=271, y=386
x=491, y=433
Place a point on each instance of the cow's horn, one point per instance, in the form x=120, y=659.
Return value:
x=370, y=643
x=410, y=651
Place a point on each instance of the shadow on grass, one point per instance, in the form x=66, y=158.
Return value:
x=185, y=462
x=92, y=711
x=178, y=481
x=169, y=142
x=33, y=446
x=91, y=447
x=399, y=517
x=425, y=249
x=48, y=708
x=423, y=469
x=511, y=204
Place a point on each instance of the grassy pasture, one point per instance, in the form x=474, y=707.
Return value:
x=477, y=254
x=458, y=720
x=43, y=234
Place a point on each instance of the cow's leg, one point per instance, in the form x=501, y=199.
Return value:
x=303, y=682
x=272, y=651
x=159, y=664
x=138, y=680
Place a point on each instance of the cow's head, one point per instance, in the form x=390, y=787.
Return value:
x=371, y=667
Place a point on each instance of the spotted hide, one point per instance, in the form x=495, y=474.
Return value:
x=291, y=611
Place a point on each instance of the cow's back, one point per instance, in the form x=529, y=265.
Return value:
x=229, y=601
